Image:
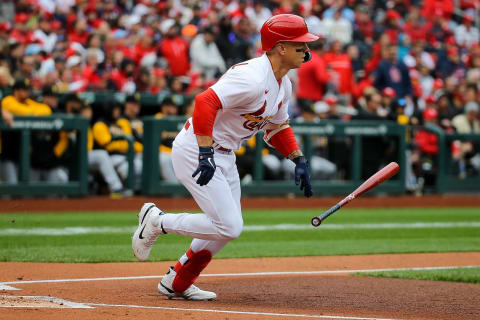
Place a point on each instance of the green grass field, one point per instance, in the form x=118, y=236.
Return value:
x=105, y=237
x=471, y=275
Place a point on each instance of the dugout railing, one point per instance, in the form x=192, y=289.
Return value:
x=447, y=178
x=77, y=184
x=154, y=129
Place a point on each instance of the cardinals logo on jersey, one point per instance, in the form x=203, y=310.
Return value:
x=256, y=116
x=255, y=119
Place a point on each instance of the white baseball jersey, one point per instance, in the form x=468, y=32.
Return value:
x=251, y=97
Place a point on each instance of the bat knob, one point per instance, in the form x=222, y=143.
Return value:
x=316, y=222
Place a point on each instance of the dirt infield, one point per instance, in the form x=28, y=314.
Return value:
x=273, y=288
x=306, y=287
x=168, y=204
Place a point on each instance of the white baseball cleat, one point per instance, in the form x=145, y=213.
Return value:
x=192, y=293
x=149, y=228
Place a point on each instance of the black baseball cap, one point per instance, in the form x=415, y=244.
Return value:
x=21, y=84
x=50, y=91
x=133, y=98
x=74, y=97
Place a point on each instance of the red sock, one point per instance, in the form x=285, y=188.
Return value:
x=189, y=271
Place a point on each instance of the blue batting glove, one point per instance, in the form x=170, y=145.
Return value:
x=302, y=176
x=206, y=165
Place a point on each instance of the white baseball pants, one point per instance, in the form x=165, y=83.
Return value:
x=219, y=200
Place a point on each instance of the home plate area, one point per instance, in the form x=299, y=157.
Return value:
x=38, y=302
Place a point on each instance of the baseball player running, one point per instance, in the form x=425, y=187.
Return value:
x=249, y=97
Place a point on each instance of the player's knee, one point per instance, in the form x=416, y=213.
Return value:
x=232, y=230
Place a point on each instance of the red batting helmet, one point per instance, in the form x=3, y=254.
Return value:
x=284, y=27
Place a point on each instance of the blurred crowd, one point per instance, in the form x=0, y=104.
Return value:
x=408, y=61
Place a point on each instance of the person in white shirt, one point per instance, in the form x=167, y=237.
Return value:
x=206, y=57
x=338, y=28
x=258, y=14
x=467, y=34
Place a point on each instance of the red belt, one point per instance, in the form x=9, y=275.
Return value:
x=218, y=147
x=224, y=149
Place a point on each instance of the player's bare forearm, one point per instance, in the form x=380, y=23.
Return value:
x=204, y=141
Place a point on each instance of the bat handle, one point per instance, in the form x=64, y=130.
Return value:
x=316, y=221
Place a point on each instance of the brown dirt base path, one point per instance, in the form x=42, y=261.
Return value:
x=177, y=204
x=330, y=295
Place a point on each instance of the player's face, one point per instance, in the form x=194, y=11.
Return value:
x=294, y=53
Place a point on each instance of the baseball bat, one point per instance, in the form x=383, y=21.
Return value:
x=380, y=176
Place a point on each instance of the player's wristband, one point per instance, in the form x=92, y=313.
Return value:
x=205, y=151
x=300, y=159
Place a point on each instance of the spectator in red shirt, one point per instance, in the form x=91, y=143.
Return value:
x=432, y=7
x=117, y=48
x=468, y=4
x=363, y=84
x=378, y=52
x=91, y=72
x=414, y=28
x=91, y=14
x=79, y=33
x=363, y=28
x=312, y=77
x=144, y=46
x=392, y=25
x=426, y=141
x=421, y=159
x=339, y=65
x=157, y=81
x=240, y=11
x=5, y=30
x=21, y=33
x=123, y=78
x=175, y=50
